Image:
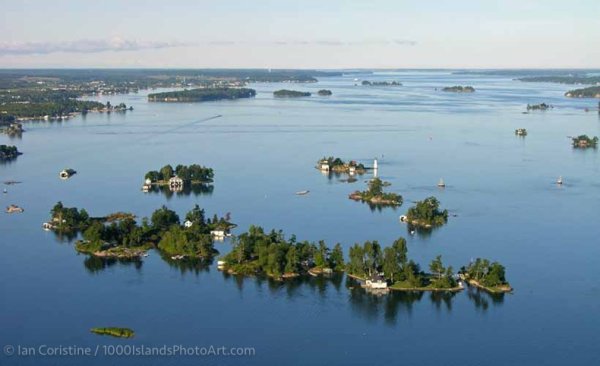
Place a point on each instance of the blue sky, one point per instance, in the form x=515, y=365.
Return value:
x=301, y=34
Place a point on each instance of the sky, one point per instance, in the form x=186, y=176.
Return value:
x=323, y=34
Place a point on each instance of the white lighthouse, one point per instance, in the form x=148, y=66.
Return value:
x=375, y=168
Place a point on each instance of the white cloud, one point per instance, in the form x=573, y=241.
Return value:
x=83, y=46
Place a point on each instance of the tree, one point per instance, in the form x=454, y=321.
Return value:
x=372, y=252
x=292, y=264
x=390, y=266
x=196, y=215
x=336, y=259
x=436, y=267
x=166, y=172
x=163, y=218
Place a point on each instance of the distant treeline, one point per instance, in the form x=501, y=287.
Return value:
x=202, y=95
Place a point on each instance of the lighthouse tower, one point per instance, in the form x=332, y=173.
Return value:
x=375, y=168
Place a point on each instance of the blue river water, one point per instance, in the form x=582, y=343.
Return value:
x=501, y=194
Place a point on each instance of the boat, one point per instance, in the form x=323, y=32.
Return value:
x=302, y=193
x=559, y=181
x=441, y=183
x=14, y=209
x=5, y=191
x=47, y=226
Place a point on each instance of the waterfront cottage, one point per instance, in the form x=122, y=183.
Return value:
x=176, y=183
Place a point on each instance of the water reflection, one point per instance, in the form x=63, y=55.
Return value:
x=188, y=265
x=483, y=299
x=318, y=285
x=95, y=264
x=195, y=189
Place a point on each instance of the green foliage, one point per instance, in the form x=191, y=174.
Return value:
x=179, y=241
x=589, y=92
x=284, y=93
x=427, y=213
x=114, y=331
x=192, y=174
x=163, y=218
x=202, y=95
x=376, y=195
x=256, y=251
x=8, y=152
x=459, y=89
x=584, y=141
x=69, y=218
x=486, y=273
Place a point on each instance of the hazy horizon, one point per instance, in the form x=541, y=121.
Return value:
x=381, y=34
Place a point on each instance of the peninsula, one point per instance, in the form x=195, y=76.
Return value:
x=485, y=275
x=590, y=92
x=201, y=95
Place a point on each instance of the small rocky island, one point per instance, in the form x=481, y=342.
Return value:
x=324, y=92
x=178, y=178
x=114, y=332
x=584, y=142
x=374, y=195
x=485, y=275
x=337, y=165
x=201, y=95
x=459, y=89
x=539, y=107
x=426, y=214
x=285, y=93
x=521, y=132
x=9, y=152
x=381, y=83
x=589, y=92
x=119, y=236
x=13, y=129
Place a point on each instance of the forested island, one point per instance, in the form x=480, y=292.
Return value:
x=426, y=214
x=521, y=132
x=189, y=175
x=590, y=92
x=285, y=93
x=380, y=83
x=9, y=152
x=13, y=129
x=459, y=89
x=201, y=95
x=584, y=142
x=257, y=252
x=324, y=92
x=338, y=165
x=120, y=236
x=563, y=79
x=391, y=264
x=485, y=275
x=376, y=196
x=539, y=107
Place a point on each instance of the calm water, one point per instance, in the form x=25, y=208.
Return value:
x=500, y=188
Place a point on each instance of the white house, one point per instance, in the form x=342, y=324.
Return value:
x=188, y=223
x=376, y=282
x=176, y=183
